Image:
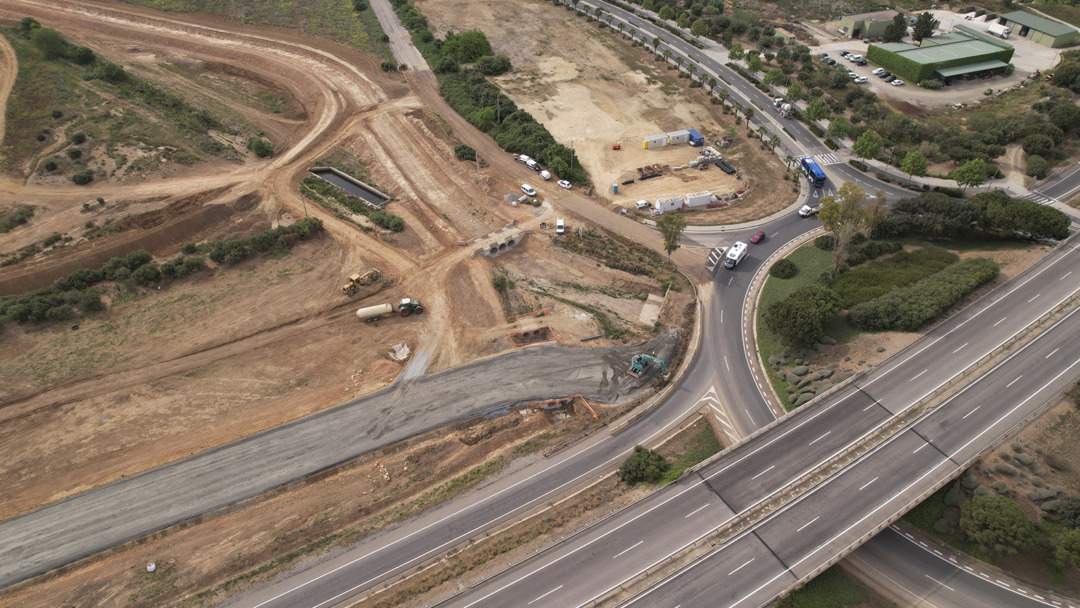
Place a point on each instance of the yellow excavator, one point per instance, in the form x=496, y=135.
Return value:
x=357, y=280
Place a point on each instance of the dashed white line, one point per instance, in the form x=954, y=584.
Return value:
x=1014, y=381
x=1065, y=275
x=804, y=526
x=999, y=322
x=630, y=547
x=742, y=566
x=1051, y=353
x=1034, y=298
x=730, y=280
x=917, y=375
x=726, y=364
x=971, y=412
x=696, y=510
x=546, y=594
x=867, y=484
x=819, y=438
x=916, y=450
x=763, y=472
x=940, y=583
x=721, y=315
x=959, y=349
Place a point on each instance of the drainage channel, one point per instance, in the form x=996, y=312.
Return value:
x=351, y=185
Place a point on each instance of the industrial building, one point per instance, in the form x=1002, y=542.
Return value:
x=866, y=25
x=1040, y=29
x=954, y=54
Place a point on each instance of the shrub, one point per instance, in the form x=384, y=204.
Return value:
x=798, y=319
x=464, y=152
x=74, y=153
x=260, y=147
x=50, y=165
x=359, y=5
x=825, y=242
x=932, y=84
x=831, y=144
x=389, y=66
x=1037, y=166
x=137, y=258
x=493, y=65
x=909, y=308
x=188, y=248
x=784, y=269
x=858, y=165
x=83, y=177
x=81, y=55
x=643, y=466
x=90, y=301
x=387, y=220
x=147, y=275
x=500, y=283
x=79, y=138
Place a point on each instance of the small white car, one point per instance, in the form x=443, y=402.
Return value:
x=642, y=204
x=897, y=83
x=878, y=71
x=560, y=226
x=860, y=80
x=527, y=189
x=545, y=175
x=564, y=184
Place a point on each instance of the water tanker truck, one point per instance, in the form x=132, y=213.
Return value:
x=406, y=307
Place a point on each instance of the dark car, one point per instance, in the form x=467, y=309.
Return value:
x=947, y=82
x=884, y=74
x=844, y=53
x=861, y=62
x=757, y=238
x=830, y=61
x=890, y=78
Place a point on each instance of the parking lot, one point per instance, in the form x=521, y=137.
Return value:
x=1027, y=58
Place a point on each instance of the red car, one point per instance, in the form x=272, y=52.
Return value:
x=757, y=238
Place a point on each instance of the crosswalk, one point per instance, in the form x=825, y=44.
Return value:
x=712, y=401
x=1038, y=198
x=828, y=159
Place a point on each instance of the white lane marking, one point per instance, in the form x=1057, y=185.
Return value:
x=627, y=549
x=696, y=510
x=763, y=472
x=721, y=417
x=742, y=566
x=1014, y=381
x=1065, y=275
x=959, y=349
x=917, y=375
x=971, y=412
x=730, y=280
x=721, y=315
x=940, y=583
x=872, y=404
x=1051, y=353
x=726, y=364
x=1000, y=322
x=1034, y=298
x=867, y=484
x=546, y=594
x=807, y=524
x=916, y=450
x=819, y=438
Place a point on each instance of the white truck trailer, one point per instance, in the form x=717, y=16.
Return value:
x=997, y=29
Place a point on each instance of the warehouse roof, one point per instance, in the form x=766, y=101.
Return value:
x=874, y=16
x=942, y=52
x=1035, y=22
x=971, y=68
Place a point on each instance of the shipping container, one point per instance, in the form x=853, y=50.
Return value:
x=696, y=139
x=698, y=199
x=656, y=141
x=669, y=203
x=678, y=137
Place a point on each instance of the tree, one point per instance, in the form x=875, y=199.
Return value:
x=90, y=301
x=656, y=43
x=671, y=226
x=260, y=147
x=753, y=63
x=147, y=275
x=82, y=55
x=799, y=319
x=997, y=523
x=28, y=24
x=971, y=173
x=775, y=76
x=723, y=95
x=925, y=26
x=667, y=54
x=877, y=209
x=773, y=142
x=1069, y=542
x=748, y=113
x=684, y=20
x=1038, y=144
x=817, y=110
x=794, y=92
x=868, y=145
x=843, y=215
x=643, y=466
x=1037, y=166
x=699, y=28
x=838, y=127
x=1069, y=512
x=914, y=163
x=894, y=32
x=1066, y=117
x=736, y=52
x=666, y=12
x=49, y=42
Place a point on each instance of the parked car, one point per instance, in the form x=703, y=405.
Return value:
x=758, y=237
x=564, y=184
x=560, y=226
x=897, y=83
x=947, y=82
x=545, y=175
x=860, y=62
x=830, y=61
x=860, y=80
x=852, y=75
x=527, y=189
x=878, y=71
x=824, y=54
x=890, y=78
x=844, y=53
x=884, y=75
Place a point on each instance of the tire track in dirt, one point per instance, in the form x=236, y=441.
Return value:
x=9, y=67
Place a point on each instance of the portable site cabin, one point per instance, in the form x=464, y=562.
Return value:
x=678, y=137
x=669, y=203
x=696, y=139
x=698, y=199
x=656, y=141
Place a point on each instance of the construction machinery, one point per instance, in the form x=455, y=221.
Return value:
x=406, y=307
x=357, y=280
x=639, y=364
x=409, y=306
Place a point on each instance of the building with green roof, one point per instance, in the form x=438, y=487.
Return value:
x=866, y=25
x=953, y=54
x=1046, y=32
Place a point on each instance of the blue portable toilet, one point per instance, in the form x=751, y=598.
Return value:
x=614, y=188
x=696, y=139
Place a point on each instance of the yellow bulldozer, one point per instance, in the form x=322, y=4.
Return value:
x=357, y=280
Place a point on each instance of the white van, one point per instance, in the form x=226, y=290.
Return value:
x=544, y=175
x=560, y=226
x=643, y=204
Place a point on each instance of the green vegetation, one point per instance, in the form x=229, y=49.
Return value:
x=611, y=330
x=864, y=283
x=701, y=446
x=464, y=152
x=260, y=147
x=17, y=216
x=998, y=523
x=621, y=254
x=671, y=226
x=323, y=193
x=799, y=319
x=643, y=466
x=783, y=269
x=829, y=589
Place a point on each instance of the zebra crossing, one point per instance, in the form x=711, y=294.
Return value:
x=1038, y=198
x=828, y=159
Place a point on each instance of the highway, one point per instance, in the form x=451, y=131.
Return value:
x=849, y=507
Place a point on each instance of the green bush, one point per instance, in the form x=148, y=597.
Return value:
x=188, y=248
x=875, y=280
x=784, y=269
x=643, y=466
x=825, y=242
x=495, y=65
x=90, y=301
x=464, y=152
x=74, y=153
x=79, y=138
x=83, y=177
x=387, y=220
x=799, y=319
x=858, y=165
x=260, y=147
x=1037, y=166
x=147, y=275
x=389, y=66
x=907, y=309
x=932, y=84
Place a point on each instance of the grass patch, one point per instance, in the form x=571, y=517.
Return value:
x=829, y=589
x=866, y=282
x=1068, y=14
x=15, y=217
x=701, y=445
x=611, y=330
x=985, y=243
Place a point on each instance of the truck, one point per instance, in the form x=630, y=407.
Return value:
x=808, y=210
x=998, y=29
x=735, y=255
x=786, y=110
x=406, y=307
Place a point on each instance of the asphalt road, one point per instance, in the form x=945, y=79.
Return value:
x=848, y=507
x=92, y=522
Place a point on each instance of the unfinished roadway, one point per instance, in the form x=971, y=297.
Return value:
x=87, y=524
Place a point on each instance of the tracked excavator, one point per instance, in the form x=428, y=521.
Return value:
x=639, y=364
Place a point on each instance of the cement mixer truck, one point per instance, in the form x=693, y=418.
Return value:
x=406, y=307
